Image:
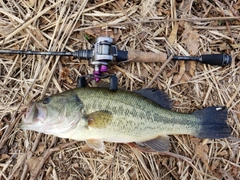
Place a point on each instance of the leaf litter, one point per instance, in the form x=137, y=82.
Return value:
x=186, y=27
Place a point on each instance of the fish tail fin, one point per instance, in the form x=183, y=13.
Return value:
x=213, y=122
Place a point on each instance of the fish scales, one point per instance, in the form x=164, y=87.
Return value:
x=96, y=115
x=134, y=114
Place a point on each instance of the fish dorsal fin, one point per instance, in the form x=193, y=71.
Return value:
x=96, y=144
x=157, y=96
x=161, y=143
x=99, y=119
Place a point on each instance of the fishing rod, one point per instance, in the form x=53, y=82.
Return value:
x=105, y=52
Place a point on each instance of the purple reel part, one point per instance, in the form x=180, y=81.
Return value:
x=98, y=71
x=103, y=68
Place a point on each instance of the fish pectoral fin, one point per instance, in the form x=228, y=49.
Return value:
x=96, y=144
x=161, y=143
x=99, y=119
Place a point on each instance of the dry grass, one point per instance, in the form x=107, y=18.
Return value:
x=185, y=27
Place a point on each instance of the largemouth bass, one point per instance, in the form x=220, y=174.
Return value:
x=96, y=115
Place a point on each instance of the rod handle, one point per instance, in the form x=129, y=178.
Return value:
x=216, y=59
x=135, y=56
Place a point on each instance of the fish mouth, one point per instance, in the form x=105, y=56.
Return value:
x=35, y=114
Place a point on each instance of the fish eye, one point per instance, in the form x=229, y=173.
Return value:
x=46, y=100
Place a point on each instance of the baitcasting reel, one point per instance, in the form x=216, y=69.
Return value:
x=103, y=52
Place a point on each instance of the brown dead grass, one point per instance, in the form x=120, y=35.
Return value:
x=188, y=27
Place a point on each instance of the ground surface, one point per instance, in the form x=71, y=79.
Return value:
x=188, y=27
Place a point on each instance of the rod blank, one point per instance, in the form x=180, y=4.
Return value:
x=212, y=59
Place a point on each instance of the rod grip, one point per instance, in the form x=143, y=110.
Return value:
x=216, y=59
x=134, y=56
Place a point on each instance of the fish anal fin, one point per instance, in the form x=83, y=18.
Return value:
x=99, y=119
x=161, y=143
x=141, y=148
x=96, y=144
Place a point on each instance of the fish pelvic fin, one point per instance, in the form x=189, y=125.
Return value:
x=161, y=143
x=213, y=123
x=96, y=144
